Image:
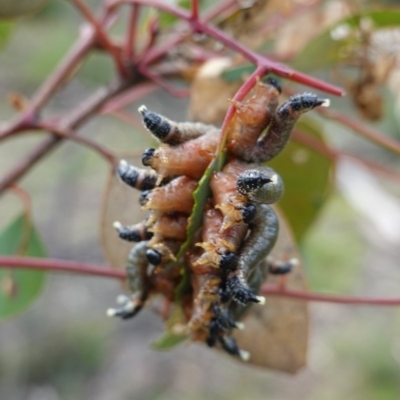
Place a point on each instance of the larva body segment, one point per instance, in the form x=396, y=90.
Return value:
x=281, y=126
x=219, y=245
x=171, y=132
x=227, y=199
x=190, y=158
x=170, y=226
x=252, y=116
x=138, y=178
x=175, y=196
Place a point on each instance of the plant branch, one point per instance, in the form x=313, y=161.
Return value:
x=101, y=36
x=259, y=60
x=70, y=135
x=71, y=121
x=277, y=290
x=131, y=34
x=364, y=131
x=333, y=154
x=57, y=265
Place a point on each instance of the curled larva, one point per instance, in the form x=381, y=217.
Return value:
x=263, y=234
x=281, y=126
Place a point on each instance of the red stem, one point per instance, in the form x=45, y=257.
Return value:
x=270, y=290
x=131, y=34
x=56, y=265
x=70, y=135
x=259, y=60
x=367, y=133
x=102, y=36
x=195, y=9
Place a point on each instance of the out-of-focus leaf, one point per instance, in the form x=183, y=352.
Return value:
x=6, y=28
x=276, y=334
x=172, y=335
x=18, y=287
x=236, y=73
x=166, y=19
x=18, y=8
x=339, y=41
x=307, y=175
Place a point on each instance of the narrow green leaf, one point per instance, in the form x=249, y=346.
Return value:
x=171, y=338
x=167, y=341
x=19, y=288
x=307, y=175
x=339, y=41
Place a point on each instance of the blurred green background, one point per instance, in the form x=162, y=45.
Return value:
x=63, y=347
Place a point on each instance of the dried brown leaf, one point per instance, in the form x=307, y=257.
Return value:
x=120, y=203
x=209, y=93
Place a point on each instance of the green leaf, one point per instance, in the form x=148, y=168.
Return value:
x=307, y=175
x=236, y=73
x=6, y=27
x=18, y=287
x=324, y=51
x=171, y=338
x=166, y=19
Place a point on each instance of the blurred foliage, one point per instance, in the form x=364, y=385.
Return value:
x=361, y=364
x=19, y=288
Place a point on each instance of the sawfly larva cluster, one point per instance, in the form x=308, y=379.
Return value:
x=226, y=263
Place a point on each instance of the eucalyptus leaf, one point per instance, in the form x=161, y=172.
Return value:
x=18, y=287
x=307, y=175
x=339, y=41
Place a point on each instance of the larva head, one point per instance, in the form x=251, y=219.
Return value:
x=147, y=156
x=228, y=262
x=159, y=126
x=304, y=102
x=264, y=186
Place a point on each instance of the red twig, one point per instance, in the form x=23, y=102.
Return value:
x=270, y=290
x=56, y=265
x=176, y=92
x=102, y=36
x=128, y=97
x=365, y=132
x=67, y=134
x=70, y=121
x=322, y=148
x=259, y=60
x=131, y=34
x=195, y=10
